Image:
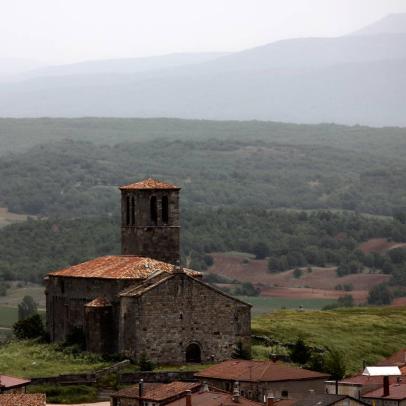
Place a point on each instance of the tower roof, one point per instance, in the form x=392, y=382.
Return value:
x=149, y=183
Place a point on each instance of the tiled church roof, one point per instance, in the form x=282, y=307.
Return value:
x=118, y=267
x=98, y=302
x=149, y=184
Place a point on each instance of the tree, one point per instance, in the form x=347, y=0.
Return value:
x=334, y=364
x=300, y=352
x=27, y=308
x=380, y=295
x=297, y=273
x=29, y=328
x=345, y=301
x=260, y=250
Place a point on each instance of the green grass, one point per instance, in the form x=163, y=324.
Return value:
x=66, y=394
x=30, y=359
x=266, y=305
x=362, y=333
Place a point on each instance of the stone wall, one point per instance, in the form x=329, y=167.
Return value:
x=66, y=298
x=164, y=321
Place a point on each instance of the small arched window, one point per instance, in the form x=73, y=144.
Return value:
x=153, y=210
x=128, y=211
x=165, y=210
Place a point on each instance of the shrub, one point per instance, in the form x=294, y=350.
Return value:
x=145, y=364
x=300, y=352
x=65, y=393
x=29, y=328
x=380, y=295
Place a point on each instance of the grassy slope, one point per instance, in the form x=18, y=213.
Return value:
x=265, y=305
x=38, y=360
x=359, y=333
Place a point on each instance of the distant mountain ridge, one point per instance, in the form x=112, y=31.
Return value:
x=355, y=79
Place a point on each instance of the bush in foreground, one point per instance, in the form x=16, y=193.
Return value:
x=65, y=393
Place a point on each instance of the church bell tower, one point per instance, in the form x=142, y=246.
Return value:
x=150, y=220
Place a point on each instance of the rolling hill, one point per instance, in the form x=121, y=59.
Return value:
x=353, y=79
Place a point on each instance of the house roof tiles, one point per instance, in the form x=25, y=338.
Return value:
x=22, y=399
x=9, y=382
x=214, y=398
x=158, y=391
x=263, y=371
x=396, y=392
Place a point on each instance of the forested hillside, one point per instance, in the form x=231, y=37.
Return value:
x=290, y=239
x=244, y=185
x=221, y=164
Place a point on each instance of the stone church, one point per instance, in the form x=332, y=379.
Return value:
x=143, y=302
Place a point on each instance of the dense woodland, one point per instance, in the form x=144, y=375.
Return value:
x=245, y=186
x=290, y=239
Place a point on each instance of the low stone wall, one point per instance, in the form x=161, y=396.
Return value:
x=125, y=378
x=162, y=377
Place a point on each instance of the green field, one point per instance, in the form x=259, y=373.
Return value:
x=362, y=333
x=29, y=359
x=266, y=305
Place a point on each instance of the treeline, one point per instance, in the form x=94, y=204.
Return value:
x=73, y=178
x=29, y=250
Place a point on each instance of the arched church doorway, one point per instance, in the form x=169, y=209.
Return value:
x=193, y=353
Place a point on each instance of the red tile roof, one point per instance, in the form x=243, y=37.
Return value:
x=98, y=302
x=118, y=267
x=264, y=371
x=158, y=391
x=23, y=399
x=149, y=184
x=9, y=382
x=396, y=392
x=214, y=398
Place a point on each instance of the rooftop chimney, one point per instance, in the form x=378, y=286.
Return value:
x=236, y=392
x=269, y=400
x=189, y=398
x=204, y=387
x=141, y=388
x=386, y=386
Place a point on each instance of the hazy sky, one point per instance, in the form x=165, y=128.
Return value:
x=63, y=31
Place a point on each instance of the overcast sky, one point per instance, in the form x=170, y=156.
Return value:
x=64, y=31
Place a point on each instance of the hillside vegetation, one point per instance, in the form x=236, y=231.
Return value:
x=76, y=178
x=359, y=333
x=290, y=239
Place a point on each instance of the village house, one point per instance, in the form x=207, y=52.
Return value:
x=143, y=302
x=317, y=399
x=360, y=384
x=12, y=384
x=23, y=399
x=181, y=394
x=153, y=394
x=395, y=396
x=258, y=379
